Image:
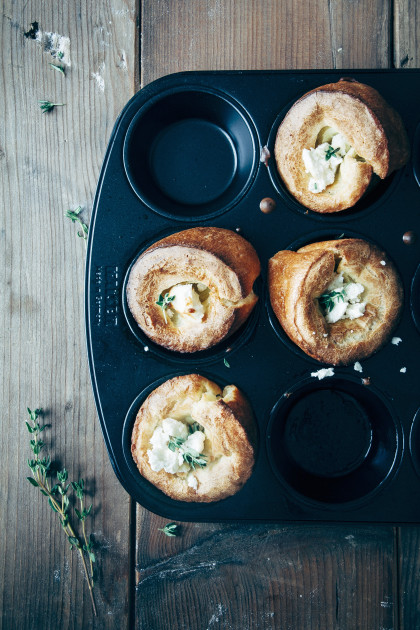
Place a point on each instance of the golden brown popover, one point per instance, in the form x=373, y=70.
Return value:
x=332, y=141
x=194, y=441
x=192, y=289
x=337, y=300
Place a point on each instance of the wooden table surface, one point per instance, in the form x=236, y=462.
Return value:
x=213, y=576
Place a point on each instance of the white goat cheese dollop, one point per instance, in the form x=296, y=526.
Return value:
x=186, y=302
x=323, y=161
x=350, y=305
x=172, y=461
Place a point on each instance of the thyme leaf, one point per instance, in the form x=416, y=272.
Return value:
x=164, y=302
x=330, y=152
x=192, y=457
x=170, y=529
x=47, y=106
x=73, y=215
x=329, y=300
x=58, y=68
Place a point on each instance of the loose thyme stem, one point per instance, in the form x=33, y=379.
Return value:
x=86, y=542
x=70, y=533
x=39, y=469
x=73, y=215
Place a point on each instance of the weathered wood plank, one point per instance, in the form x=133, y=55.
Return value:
x=48, y=163
x=409, y=563
x=265, y=577
x=406, y=34
x=274, y=35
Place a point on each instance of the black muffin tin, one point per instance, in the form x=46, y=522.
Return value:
x=187, y=150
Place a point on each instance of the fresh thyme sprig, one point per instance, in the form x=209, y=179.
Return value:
x=58, y=68
x=73, y=215
x=170, y=529
x=189, y=455
x=330, y=152
x=47, y=106
x=329, y=300
x=57, y=496
x=164, y=302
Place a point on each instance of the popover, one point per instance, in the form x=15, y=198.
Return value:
x=333, y=142
x=338, y=300
x=194, y=441
x=191, y=290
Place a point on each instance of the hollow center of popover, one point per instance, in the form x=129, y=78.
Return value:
x=185, y=304
x=342, y=299
x=323, y=162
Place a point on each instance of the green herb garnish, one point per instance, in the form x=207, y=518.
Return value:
x=47, y=106
x=58, y=68
x=164, y=302
x=330, y=152
x=329, y=300
x=170, y=529
x=175, y=442
x=227, y=364
x=195, y=426
x=60, y=55
x=42, y=478
x=190, y=456
x=74, y=216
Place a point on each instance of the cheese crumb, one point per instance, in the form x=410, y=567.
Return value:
x=396, y=340
x=192, y=481
x=383, y=263
x=403, y=370
x=322, y=373
x=358, y=367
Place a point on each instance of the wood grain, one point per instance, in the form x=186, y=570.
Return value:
x=48, y=163
x=409, y=570
x=269, y=35
x=406, y=34
x=233, y=577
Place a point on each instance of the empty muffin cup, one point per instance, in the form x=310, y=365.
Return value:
x=334, y=442
x=190, y=153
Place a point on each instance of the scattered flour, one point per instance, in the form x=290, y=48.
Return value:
x=216, y=616
x=122, y=63
x=57, y=45
x=99, y=78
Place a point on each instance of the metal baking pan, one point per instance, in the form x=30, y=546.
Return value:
x=185, y=151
